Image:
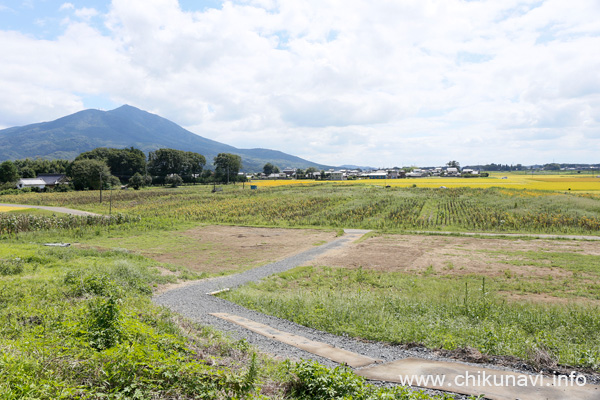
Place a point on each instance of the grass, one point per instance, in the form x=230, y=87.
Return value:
x=436, y=311
x=335, y=206
x=79, y=323
x=578, y=278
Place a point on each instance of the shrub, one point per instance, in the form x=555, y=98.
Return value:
x=174, y=180
x=11, y=267
x=102, y=324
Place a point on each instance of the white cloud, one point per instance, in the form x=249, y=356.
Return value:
x=418, y=81
x=67, y=6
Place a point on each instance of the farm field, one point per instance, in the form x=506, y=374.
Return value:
x=335, y=206
x=537, y=300
x=212, y=250
x=79, y=323
x=508, y=180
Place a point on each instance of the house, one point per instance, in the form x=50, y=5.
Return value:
x=289, y=171
x=31, y=183
x=377, y=175
x=468, y=171
x=452, y=171
x=52, y=180
x=277, y=175
x=416, y=173
x=337, y=176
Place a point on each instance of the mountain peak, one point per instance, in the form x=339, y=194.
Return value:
x=125, y=126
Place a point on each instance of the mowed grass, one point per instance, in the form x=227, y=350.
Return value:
x=431, y=309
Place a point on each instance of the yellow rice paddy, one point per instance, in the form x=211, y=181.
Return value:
x=6, y=208
x=563, y=183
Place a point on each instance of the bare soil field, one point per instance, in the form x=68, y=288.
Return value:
x=219, y=249
x=497, y=259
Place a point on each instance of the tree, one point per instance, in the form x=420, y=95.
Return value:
x=310, y=172
x=89, y=174
x=269, y=169
x=8, y=172
x=27, y=172
x=40, y=166
x=173, y=180
x=137, y=181
x=123, y=163
x=453, y=164
x=552, y=167
x=227, y=166
x=164, y=162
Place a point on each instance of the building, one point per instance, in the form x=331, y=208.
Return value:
x=31, y=183
x=289, y=171
x=451, y=171
x=337, y=176
x=377, y=175
x=416, y=173
x=52, y=180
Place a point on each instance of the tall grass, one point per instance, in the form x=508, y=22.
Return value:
x=80, y=324
x=436, y=312
x=346, y=206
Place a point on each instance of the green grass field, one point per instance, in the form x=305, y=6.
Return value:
x=79, y=323
x=394, y=209
x=435, y=310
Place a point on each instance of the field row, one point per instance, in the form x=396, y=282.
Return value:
x=333, y=206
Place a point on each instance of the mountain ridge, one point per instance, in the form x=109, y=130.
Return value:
x=126, y=126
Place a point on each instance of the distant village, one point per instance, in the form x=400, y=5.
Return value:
x=351, y=174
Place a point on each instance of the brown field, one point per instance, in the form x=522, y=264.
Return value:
x=451, y=256
x=219, y=249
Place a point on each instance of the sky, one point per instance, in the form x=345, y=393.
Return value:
x=373, y=83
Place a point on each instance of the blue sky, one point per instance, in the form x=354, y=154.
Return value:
x=416, y=82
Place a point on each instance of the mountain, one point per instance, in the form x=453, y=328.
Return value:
x=123, y=127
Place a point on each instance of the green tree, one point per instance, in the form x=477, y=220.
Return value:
x=165, y=162
x=269, y=169
x=227, y=166
x=123, y=163
x=310, y=172
x=27, y=172
x=137, y=181
x=552, y=167
x=89, y=174
x=8, y=172
x=453, y=164
x=173, y=180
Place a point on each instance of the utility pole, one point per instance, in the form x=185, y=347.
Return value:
x=100, y=187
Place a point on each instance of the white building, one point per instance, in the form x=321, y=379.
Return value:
x=31, y=183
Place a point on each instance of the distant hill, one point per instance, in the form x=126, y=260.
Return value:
x=123, y=127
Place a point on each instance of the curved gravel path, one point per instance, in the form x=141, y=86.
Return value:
x=54, y=209
x=194, y=302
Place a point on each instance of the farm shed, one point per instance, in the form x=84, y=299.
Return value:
x=31, y=183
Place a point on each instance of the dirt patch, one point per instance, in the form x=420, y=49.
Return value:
x=457, y=256
x=221, y=249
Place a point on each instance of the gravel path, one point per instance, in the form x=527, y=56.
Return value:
x=194, y=302
x=55, y=209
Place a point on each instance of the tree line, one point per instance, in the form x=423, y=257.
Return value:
x=108, y=167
